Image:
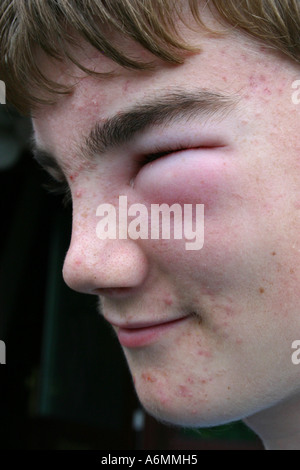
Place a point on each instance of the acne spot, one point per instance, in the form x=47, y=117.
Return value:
x=261, y=290
x=168, y=300
x=183, y=391
x=78, y=193
x=149, y=378
x=202, y=352
x=73, y=177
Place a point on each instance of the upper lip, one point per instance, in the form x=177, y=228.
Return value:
x=145, y=324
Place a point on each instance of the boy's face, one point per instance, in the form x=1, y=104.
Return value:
x=236, y=300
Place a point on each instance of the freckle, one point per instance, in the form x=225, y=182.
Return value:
x=228, y=388
x=274, y=253
x=261, y=290
x=203, y=381
x=292, y=271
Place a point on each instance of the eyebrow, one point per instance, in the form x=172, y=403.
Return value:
x=115, y=131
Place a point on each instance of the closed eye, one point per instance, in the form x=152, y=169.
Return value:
x=151, y=157
x=158, y=153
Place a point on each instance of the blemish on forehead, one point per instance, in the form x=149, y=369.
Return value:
x=259, y=82
x=261, y=290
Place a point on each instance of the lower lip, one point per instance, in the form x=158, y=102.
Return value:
x=138, y=337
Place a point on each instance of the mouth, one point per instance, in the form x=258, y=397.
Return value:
x=139, y=335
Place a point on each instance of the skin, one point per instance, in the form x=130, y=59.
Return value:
x=231, y=358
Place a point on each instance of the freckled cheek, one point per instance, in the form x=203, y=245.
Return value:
x=195, y=180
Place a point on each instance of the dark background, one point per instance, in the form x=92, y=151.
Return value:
x=65, y=384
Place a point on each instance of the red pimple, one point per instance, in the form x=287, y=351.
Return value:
x=168, y=300
x=148, y=378
x=202, y=352
x=73, y=176
x=184, y=391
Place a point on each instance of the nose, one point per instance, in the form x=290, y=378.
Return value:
x=94, y=266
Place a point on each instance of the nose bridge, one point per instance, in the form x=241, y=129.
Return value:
x=92, y=264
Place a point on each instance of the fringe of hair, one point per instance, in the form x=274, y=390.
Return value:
x=26, y=25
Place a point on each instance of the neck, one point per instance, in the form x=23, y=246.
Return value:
x=279, y=426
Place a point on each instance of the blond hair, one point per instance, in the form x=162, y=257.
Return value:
x=48, y=24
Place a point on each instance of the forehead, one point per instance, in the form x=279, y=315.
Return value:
x=232, y=63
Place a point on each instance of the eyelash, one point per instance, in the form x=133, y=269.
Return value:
x=158, y=153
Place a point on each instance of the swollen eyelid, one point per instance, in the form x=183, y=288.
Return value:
x=151, y=157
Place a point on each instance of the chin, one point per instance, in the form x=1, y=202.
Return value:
x=194, y=414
